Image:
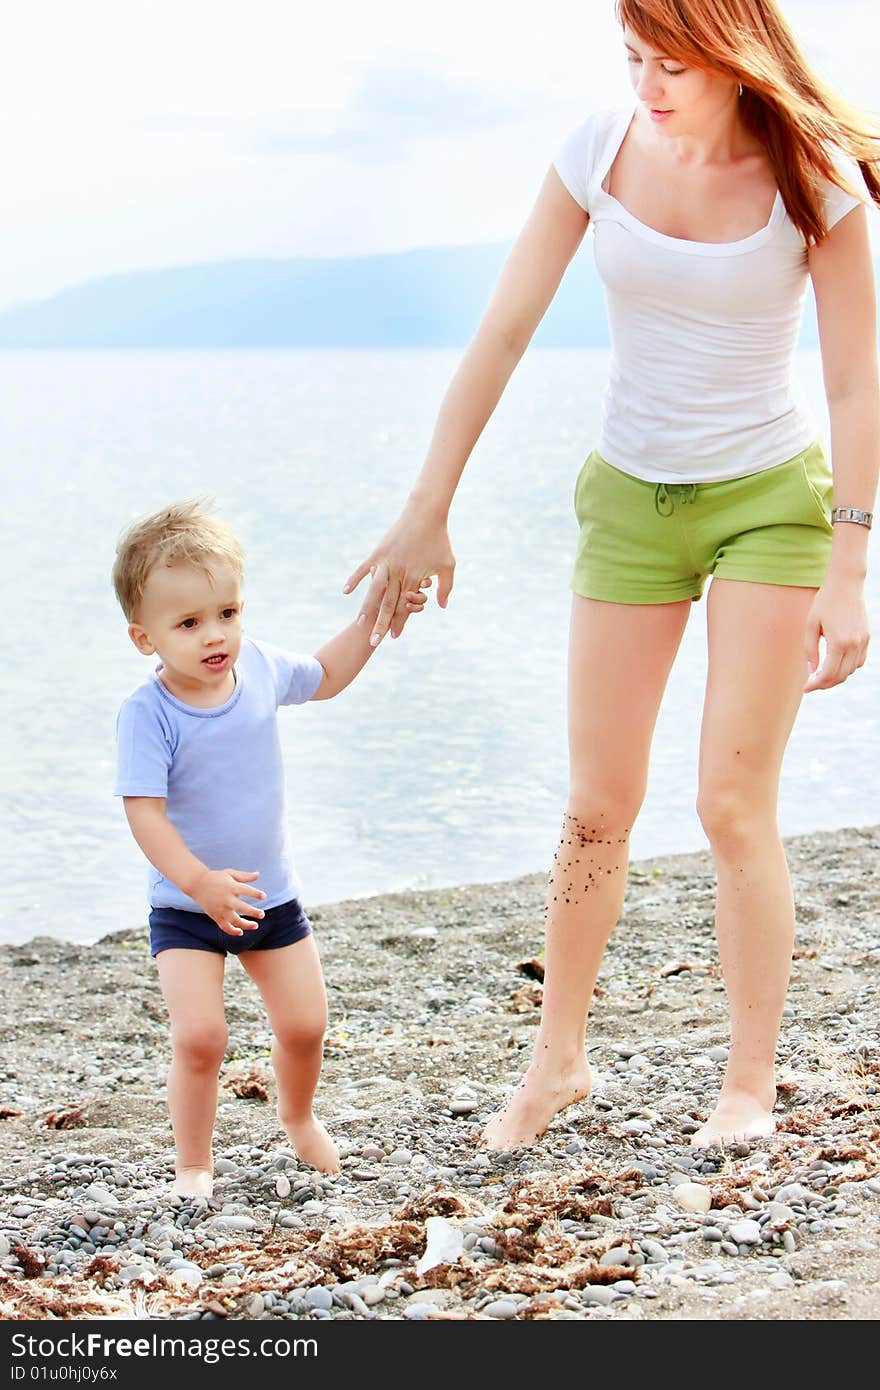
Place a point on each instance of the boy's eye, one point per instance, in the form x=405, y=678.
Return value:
x=228, y=612
x=188, y=623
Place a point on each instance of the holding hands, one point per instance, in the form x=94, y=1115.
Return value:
x=416, y=547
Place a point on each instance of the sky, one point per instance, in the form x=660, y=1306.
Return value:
x=145, y=135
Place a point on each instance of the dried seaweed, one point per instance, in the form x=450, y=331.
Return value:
x=70, y=1118
x=249, y=1085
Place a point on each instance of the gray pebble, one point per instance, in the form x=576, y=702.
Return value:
x=319, y=1298
x=500, y=1308
x=745, y=1232
x=230, y=1221
x=463, y=1106
x=618, y=1255
x=417, y=1312
x=598, y=1293
x=400, y=1157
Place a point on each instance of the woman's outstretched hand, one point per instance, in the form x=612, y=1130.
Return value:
x=416, y=547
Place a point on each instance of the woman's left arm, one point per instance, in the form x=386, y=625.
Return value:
x=843, y=279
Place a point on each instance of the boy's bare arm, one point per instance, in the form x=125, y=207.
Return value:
x=349, y=651
x=220, y=893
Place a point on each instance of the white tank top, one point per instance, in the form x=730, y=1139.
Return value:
x=702, y=333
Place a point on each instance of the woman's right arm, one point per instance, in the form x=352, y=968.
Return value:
x=417, y=545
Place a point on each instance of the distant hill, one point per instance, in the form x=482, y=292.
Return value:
x=425, y=298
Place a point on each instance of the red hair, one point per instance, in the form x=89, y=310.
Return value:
x=800, y=121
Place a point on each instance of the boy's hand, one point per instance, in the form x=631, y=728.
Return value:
x=219, y=893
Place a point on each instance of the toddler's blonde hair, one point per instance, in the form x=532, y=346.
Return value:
x=183, y=533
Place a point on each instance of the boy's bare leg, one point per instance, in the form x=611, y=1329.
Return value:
x=619, y=660
x=192, y=984
x=292, y=986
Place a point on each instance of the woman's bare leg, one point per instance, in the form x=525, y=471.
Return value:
x=620, y=656
x=192, y=985
x=757, y=671
x=292, y=985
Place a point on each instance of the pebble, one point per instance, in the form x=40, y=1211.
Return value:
x=319, y=1298
x=400, y=1157
x=282, y=1186
x=778, y=1212
x=463, y=1107
x=692, y=1196
x=230, y=1221
x=618, y=1255
x=792, y=1192
x=417, y=1312
x=781, y=1279
x=598, y=1293
x=500, y=1308
x=745, y=1233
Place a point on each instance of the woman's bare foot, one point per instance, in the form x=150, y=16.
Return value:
x=537, y=1098
x=193, y=1182
x=738, y=1117
x=314, y=1145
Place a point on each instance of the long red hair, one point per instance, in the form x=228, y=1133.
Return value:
x=800, y=121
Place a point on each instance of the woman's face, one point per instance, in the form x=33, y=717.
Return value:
x=678, y=100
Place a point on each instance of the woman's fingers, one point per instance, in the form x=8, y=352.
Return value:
x=374, y=594
x=386, y=611
x=445, y=580
x=366, y=567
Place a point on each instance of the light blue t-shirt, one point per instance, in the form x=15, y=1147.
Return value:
x=220, y=770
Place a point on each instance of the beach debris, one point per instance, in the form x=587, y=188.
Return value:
x=9, y=1112
x=526, y=998
x=249, y=1085
x=676, y=967
x=445, y=1243
x=533, y=968
x=65, y=1119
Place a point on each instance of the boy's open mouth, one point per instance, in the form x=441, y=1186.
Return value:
x=216, y=661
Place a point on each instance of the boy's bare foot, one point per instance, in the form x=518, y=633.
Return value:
x=193, y=1182
x=537, y=1098
x=738, y=1117
x=314, y=1145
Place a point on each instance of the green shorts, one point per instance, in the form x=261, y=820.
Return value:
x=644, y=542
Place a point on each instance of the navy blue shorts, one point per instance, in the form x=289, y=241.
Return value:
x=194, y=931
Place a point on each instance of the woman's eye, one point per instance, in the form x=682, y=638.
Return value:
x=674, y=72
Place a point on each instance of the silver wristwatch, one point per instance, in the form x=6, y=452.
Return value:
x=856, y=514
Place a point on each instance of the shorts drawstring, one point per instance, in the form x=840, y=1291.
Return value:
x=667, y=494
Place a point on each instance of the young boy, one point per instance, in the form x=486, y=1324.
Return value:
x=201, y=777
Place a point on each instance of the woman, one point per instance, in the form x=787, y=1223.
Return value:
x=731, y=181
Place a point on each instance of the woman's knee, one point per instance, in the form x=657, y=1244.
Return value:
x=200, y=1045
x=610, y=809
x=733, y=816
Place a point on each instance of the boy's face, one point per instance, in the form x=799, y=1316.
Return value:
x=193, y=620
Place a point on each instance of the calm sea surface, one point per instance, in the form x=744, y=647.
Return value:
x=445, y=762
